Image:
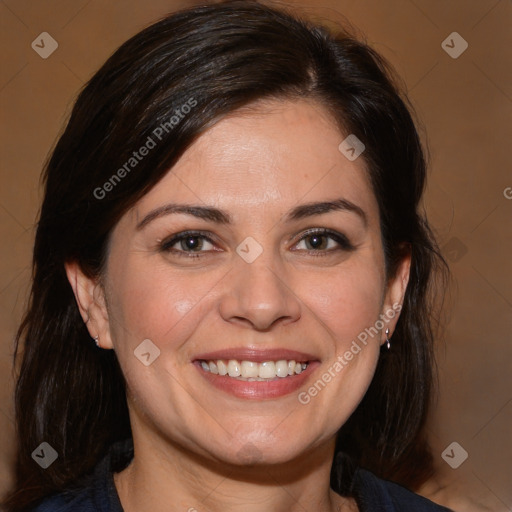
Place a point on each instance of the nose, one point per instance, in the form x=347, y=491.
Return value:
x=258, y=298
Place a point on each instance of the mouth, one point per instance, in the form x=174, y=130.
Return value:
x=252, y=371
x=256, y=374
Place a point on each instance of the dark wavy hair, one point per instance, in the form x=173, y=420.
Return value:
x=225, y=56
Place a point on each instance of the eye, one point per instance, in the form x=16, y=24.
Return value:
x=323, y=240
x=188, y=243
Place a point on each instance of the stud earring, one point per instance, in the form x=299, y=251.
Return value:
x=388, y=342
x=96, y=340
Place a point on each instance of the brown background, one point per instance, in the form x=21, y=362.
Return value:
x=465, y=107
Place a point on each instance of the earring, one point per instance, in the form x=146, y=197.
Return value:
x=388, y=342
x=96, y=340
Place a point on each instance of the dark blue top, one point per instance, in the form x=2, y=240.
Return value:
x=98, y=492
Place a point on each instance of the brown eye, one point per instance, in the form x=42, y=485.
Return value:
x=314, y=242
x=187, y=243
x=191, y=243
x=323, y=240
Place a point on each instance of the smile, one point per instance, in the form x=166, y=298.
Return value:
x=258, y=374
x=252, y=371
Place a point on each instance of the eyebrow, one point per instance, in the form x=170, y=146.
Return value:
x=201, y=212
x=318, y=208
x=222, y=217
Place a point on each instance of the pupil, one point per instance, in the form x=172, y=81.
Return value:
x=316, y=241
x=192, y=242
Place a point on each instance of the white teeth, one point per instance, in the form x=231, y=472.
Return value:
x=282, y=368
x=234, y=369
x=267, y=370
x=221, y=366
x=252, y=371
x=249, y=369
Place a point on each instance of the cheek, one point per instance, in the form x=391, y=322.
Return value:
x=150, y=303
x=346, y=303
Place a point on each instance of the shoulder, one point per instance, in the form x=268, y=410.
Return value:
x=79, y=501
x=95, y=492
x=372, y=493
x=98, y=495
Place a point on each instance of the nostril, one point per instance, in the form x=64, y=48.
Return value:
x=260, y=323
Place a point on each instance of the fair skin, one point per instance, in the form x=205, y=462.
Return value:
x=201, y=446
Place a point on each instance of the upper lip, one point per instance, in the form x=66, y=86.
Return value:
x=256, y=355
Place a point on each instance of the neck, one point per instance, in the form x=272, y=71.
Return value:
x=165, y=477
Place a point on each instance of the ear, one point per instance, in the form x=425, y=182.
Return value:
x=90, y=298
x=395, y=293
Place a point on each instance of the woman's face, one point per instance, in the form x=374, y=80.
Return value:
x=261, y=245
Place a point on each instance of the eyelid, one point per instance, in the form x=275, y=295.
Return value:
x=341, y=239
x=167, y=243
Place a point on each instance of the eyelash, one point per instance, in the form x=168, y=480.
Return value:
x=166, y=245
x=342, y=241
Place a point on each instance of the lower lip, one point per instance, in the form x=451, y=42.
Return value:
x=259, y=390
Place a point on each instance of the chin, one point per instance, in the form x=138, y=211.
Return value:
x=251, y=450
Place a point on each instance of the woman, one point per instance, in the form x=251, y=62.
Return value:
x=231, y=305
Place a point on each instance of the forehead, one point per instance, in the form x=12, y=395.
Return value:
x=270, y=155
